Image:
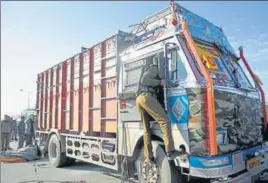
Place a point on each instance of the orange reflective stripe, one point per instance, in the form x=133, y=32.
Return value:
x=210, y=93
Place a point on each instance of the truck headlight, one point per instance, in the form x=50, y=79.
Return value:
x=222, y=137
x=216, y=162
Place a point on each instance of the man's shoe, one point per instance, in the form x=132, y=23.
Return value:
x=173, y=154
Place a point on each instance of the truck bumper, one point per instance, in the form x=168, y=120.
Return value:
x=244, y=178
x=235, y=168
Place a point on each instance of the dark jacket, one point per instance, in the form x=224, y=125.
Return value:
x=21, y=128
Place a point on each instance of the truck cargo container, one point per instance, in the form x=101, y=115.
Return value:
x=86, y=104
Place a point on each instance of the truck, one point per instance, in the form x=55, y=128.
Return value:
x=86, y=104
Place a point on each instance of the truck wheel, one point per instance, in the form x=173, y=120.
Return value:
x=55, y=156
x=69, y=161
x=166, y=170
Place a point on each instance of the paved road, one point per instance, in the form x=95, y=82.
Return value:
x=42, y=171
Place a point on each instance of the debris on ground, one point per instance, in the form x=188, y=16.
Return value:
x=264, y=177
x=28, y=153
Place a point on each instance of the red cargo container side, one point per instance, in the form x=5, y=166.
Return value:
x=85, y=92
x=37, y=106
x=41, y=101
x=79, y=94
x=63, y=96
x=54, y=97
x=46, y=100
x=57, y=97
x=71, y=95
x=80, y=108
x=75, y=103
x=96, y=122
x=91, y=87
x=103, y=90
x=51, y=98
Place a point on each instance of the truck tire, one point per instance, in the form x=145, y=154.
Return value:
x=167, y=172
x=55, y=155
x=69, y=161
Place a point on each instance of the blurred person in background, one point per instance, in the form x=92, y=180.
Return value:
x=30, y=130
x=21, y=132
x=14, y=130
x=6, y=128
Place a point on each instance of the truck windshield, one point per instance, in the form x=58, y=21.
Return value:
x=216, y=65
x=243, y=78
x=224, y=69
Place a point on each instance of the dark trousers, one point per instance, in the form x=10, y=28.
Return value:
x=5, y=139
x=29, y=140
x=21, y=141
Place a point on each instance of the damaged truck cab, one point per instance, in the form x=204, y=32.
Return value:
x=216, y=111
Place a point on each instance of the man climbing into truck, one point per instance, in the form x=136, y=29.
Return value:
x=147, y=104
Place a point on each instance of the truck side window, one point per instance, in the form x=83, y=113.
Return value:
x=132, y=74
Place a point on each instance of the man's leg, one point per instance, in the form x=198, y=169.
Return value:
x=27, y=140
x=146, y=129
x=154, y=108
x=21, y=141
x=8, y=140
x=16, y=136
x=2, y=142
x=30, y=139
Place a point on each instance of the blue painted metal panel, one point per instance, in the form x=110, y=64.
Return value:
x=196, y=161
x=178, y=108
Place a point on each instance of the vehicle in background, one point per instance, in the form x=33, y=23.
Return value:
x=86, y=105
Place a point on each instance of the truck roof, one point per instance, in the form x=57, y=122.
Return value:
x=200, y=28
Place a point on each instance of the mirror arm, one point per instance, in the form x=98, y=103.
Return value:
x=166, y=71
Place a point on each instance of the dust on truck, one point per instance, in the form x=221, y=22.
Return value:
x=86, y=105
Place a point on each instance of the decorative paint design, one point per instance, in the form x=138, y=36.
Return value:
x=214, y=63
x=178, y=106
x=204, y=30
x=240, y=116
x=198, y=132
x=208, y=55
x=237, y=114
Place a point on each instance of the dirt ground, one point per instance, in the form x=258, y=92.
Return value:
x=41, y=171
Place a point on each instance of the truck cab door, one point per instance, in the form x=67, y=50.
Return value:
x=176, y=96
x=177, y=102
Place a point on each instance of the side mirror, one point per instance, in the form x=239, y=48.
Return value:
x=171, y=63
x=161, y=67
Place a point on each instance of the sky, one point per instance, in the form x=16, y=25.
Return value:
x=38, y=35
